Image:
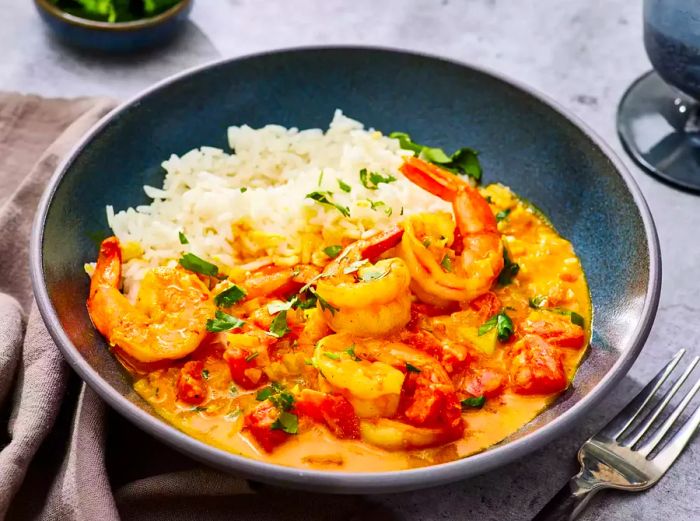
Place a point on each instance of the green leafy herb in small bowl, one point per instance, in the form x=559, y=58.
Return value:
x=114, y=11
x=114, y=25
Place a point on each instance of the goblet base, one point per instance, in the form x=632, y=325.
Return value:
x=660, y=128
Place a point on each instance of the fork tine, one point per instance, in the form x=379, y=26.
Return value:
x=673, y=448
x=643, y=428
x=637, y=405
x=649, y=445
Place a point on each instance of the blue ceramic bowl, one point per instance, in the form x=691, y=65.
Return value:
x=119, y=37
x=525, y=141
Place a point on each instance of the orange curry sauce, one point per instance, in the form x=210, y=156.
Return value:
x=223, y=396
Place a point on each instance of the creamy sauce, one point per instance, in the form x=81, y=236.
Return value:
x=548, y=266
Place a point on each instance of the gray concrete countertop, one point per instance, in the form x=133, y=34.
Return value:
x=582, y=53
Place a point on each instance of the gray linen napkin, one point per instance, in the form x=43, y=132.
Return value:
x=63, y=454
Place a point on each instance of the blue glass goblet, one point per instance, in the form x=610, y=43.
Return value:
x=658, y=119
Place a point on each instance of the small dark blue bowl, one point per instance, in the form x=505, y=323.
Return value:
x=526, y=142
x=119, y=37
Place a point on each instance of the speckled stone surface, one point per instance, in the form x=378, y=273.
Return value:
x=582, y=53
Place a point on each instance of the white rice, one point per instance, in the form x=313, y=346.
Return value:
x=201, y=194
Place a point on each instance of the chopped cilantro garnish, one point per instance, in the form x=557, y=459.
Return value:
x=426, y=243
x=333, y=251
x=509, y=271
x=503, y=324
x=278, y=326
x=446, y=263
x=537, y=301
x=371, y=180
x=205, y=374
x=464, y=161
x=503, y=214
x=412, y=368
x=191, y=262
x=286, y=422
x=320, y=178
x=344, y=186
x=252, y=356
x=278, y=395
x=229, y=296
x=232, y=390
x=243, y=189
x=350, y=351
x=199, y=408
x=332, y=356
x=325, y=305
x=325, y=199
x=223, y=322
x=476, y=402
x=183, y=238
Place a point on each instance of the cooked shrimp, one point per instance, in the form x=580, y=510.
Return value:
x=169, y=318
x=390, y=379
x=365, y=298
x=447, y=264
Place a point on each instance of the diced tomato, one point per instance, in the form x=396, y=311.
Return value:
x=557, y=330
x=485, y=381
x=536, y=367
x=333, y=410
x=429, y=404
x=451, y=355
x=243, y=368
x=259, y=422
x=486, y=305
x=191, y=387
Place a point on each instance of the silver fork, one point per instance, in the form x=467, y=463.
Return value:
x=616, y=457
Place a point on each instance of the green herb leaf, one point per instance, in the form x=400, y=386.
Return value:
x=191, y=262
x=351, y=353
x=278, y=395
x=223, y=322
x=503, y=214
x=183, y=238
x=332, y=356
x=503, y=324
x=474, y=403
x=509, y=271
x=426, y=243
x=464, y=161
x=537, y=301
x=371, y=180
x=412, y=368
x=199, y=408
x=320, y=178
x=344, y=186
x=264, y=394
x=286, y=422
x=446, y=263
x=333, y=251
x=243, y=189
x=574, y=317
x=325, y=199
x=229, y=296
x=232, y=390
x=325, y=305
x=278, y=326
x=252, y=356
x=205, y=374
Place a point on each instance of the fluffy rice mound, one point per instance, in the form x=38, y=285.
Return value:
x=252, y=203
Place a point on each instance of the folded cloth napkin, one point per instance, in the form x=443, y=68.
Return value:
x=63, y=454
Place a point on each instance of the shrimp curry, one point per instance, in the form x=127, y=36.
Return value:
x=427, y=341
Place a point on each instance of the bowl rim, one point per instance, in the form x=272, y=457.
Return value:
x=334, y=481
x=134, y=25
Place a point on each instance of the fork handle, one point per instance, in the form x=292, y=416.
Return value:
x=570, y=501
